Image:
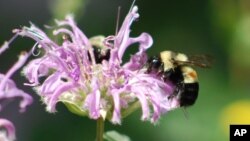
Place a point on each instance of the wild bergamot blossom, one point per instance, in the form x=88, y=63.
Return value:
x=107, y=90
x=8, y=90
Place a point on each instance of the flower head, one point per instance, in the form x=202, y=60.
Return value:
x=89, y=77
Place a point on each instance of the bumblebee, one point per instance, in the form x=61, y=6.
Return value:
x=177, y=69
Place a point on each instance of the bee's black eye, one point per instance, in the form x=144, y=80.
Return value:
x=154, y=64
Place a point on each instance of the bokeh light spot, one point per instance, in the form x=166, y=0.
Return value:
x=235, y=113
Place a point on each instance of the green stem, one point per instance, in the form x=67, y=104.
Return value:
x=99, y=129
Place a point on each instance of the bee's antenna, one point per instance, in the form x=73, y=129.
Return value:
x=185, y=112
x=117, y=20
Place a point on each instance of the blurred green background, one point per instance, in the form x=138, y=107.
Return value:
x=220, y=28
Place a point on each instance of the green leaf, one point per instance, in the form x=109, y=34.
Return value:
x=115, y=136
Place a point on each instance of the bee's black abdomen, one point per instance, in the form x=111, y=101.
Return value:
x=190, y=94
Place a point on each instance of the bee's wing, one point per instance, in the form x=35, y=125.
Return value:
x=203, y=61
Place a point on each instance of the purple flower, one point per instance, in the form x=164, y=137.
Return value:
x=110, y=89
x=10, y=135
x=8, y=90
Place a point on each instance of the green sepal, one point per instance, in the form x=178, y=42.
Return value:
x=75, y=109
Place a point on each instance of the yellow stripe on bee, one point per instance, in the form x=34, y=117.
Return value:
x=181, y=57
x=166, y=58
